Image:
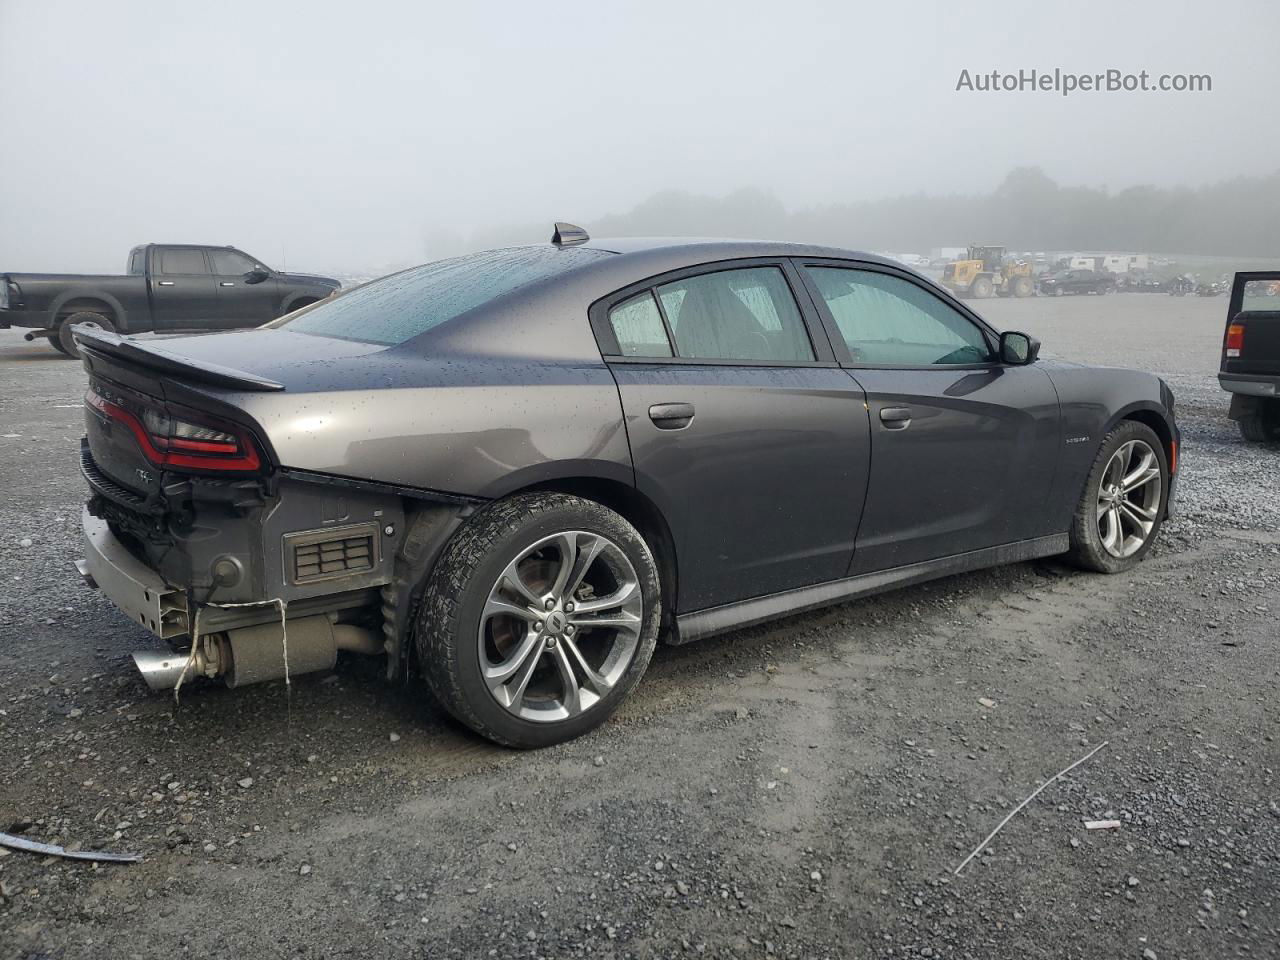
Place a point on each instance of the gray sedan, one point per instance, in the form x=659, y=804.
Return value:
x=513, y=473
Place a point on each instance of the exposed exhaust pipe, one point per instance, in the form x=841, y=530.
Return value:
x=160, y=670
x=257, y=654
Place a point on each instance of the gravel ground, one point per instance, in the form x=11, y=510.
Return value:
x=804, y=789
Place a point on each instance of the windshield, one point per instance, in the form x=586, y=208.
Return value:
x=403, y=305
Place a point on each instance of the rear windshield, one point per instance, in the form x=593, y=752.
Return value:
x=398, y=308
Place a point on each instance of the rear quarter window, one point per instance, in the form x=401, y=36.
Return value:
x=402, y=306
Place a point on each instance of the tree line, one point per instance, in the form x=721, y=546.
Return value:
x=1027, y=211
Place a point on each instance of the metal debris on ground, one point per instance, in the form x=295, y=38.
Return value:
x=1102, y=824
x=52, y=850
x=991, y=836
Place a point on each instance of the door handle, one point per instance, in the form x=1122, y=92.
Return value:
x=166, y=283
x=226, y=283
x=671, y=416
x=895, y=418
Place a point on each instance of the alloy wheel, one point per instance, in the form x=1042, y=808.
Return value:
x=1129, y=498
x=560, y=626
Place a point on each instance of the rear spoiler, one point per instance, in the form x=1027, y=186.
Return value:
x=153, y=356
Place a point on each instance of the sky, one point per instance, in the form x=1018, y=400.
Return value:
x=356, y=136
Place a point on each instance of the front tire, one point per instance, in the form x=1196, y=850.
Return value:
x=1124, y=501
x=981, y=288
x=96, y=320
x=539, y=618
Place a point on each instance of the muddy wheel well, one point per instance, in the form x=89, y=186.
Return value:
x=644, y=515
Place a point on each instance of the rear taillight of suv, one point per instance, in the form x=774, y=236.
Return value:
x=1235, y=339
x=181, y=439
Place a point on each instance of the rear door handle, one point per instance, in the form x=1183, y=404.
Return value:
x=166, y=283
x=671, y=416
x=895, y=418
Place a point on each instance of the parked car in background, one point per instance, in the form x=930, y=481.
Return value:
x=511, y=472
x=1076, y=281
x=1250, y=365
x=167, y=287
x=1139, y=282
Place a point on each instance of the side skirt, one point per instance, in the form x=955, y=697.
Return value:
x=746, y=613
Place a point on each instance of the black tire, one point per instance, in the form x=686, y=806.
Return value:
x=1023, y=287
x=68, y=342
x=980, y=288
x=447, y=627
x=1087, y=550
x=56, y=343
x=1258, y=428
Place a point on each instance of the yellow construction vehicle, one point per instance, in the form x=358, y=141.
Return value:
x=987, y=271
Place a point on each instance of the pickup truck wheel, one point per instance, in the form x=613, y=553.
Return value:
x=56, y=343
x=539, y=618
x=84, y=318
x=1124, y=501
x=1259, y=428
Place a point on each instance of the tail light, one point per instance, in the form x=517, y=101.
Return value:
x=184, y=439
x=1235, y=339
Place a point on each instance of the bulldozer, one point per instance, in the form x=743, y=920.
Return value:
x=987, y=271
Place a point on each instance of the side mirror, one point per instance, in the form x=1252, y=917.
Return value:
x=1018, y=349
x=257, y=275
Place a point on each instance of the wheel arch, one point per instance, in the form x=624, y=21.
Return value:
x=297, y=301
x=638, y=510
x=74, y=302
x=1152, y=416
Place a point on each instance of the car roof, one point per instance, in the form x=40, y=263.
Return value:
x=711, y=249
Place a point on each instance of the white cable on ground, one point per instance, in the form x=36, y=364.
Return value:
x=991, y=835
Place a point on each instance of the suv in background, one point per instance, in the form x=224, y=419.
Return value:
x=1076, y=281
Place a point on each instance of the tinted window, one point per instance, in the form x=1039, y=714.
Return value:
x=228, y=263
x=890, y=321
x=638, y=326
x=135, y=261
x=399, y=307
x=746, y=314
x=182, y=261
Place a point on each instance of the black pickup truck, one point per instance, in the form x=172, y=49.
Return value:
x=1250, y=368
x=168, y=287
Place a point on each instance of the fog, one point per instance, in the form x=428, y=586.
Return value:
x=358, y=136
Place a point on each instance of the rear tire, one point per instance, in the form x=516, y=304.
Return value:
x=503, y=632
x=56, y=343
x=67, y=342
x=1023, y=287
x=1124, y=501
x=1258, y=428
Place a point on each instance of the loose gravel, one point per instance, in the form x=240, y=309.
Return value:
x=803, y=789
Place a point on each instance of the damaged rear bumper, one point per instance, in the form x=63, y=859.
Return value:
x=130, y=584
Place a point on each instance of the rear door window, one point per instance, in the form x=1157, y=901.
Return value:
x=742, y=314
x=176, y=260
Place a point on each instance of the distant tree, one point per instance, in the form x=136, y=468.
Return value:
x=1027, y=210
